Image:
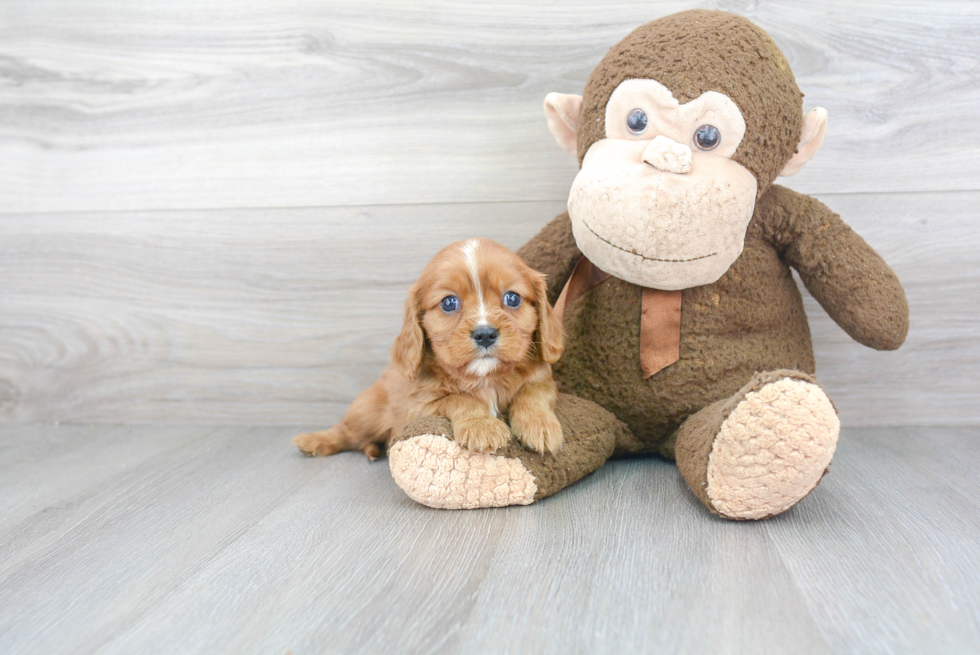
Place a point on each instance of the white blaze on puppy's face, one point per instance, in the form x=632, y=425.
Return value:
x=479, y=273
x=469, y=253
x=486, y=364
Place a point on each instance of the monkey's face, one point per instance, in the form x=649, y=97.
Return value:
x=659, y=201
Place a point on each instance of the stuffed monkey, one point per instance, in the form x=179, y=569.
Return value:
x=685, y=332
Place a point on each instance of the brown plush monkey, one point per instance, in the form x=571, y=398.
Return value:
x=685, y=332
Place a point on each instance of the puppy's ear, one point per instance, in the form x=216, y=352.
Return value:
x=410, y=345
x=548, y=335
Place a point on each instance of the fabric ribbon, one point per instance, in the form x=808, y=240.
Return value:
x=660, y=320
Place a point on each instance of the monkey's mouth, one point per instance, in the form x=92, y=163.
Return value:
x=641, y=255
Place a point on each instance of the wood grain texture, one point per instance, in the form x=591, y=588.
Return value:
x=95, y=558
x=264, y=316
x=275, y=316
x=110, y=105
x=898, y=511
x=226, y=540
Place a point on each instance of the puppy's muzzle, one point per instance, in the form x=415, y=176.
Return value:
x=485, y=336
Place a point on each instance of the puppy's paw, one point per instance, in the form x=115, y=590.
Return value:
x=481, y=434
x=373, y=450
x=539, y=431
x=322, y=443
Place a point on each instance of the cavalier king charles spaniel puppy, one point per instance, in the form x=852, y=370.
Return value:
x=477, y=346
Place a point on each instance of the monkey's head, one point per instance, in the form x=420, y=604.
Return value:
x=683, y=126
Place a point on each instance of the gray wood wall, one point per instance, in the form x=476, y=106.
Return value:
x=210, y=212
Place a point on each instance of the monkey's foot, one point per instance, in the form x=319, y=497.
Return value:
x=436, y=471
x=761, y=451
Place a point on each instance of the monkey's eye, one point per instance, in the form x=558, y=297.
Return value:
x=637, y=121
x=512, y=299
x=449, y=304
x=707, y=137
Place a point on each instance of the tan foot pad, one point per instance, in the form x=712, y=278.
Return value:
x=436, y=472
x=772, y=450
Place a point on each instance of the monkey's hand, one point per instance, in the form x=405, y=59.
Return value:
x=846, y=276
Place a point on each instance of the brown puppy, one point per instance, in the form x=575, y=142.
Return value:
x=477, y=347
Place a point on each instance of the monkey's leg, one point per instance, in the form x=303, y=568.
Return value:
x=761, y=451
x=433, y=470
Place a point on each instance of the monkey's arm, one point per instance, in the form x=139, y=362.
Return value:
x=552, y=251
x=846, y=276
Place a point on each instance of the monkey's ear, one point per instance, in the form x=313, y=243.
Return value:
x=409, y=347
x=564, y=113
x=811, y=138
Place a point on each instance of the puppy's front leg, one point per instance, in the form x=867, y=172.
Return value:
x=532, y=416
x=473, y=427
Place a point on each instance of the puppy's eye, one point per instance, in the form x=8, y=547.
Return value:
x=512, y=299
x=637, y=121
x=707, y=137
x=449, y=304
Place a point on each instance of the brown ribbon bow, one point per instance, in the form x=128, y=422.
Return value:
x=660, y=321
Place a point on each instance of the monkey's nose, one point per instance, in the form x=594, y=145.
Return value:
x=485, y=336
x=668, y=156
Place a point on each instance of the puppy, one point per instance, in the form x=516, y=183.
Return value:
x=477, y=346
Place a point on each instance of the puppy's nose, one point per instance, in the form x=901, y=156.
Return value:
x=485, y=336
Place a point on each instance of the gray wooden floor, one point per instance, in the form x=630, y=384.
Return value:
x=225, y=540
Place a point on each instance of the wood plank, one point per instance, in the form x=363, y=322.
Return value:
x=630, y=562
x=346, y=563
x=233, y=543
x=124, y=543
x=130, y=106
x=47, y=471
x=626, y=561
x=886, y=552
x=231, y=313
x=282, y=316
